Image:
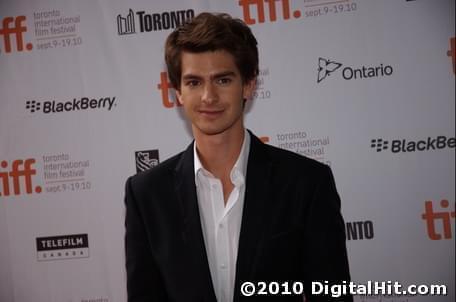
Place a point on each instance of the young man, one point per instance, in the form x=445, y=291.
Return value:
x=229, y=209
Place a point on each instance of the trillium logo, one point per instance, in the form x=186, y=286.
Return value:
x=325, y=68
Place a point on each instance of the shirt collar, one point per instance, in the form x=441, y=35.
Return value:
x=238, y=172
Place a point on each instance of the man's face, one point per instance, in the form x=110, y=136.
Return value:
x=212, y=92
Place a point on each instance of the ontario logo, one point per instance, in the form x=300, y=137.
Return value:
x=404, y=145
x=147, y=22
x=325, y=68
x=17, y=177
x=328, y=66
x=77, y=104
x=14, y=26
x=146, y=160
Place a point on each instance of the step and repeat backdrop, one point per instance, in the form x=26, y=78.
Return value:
x=365, y=86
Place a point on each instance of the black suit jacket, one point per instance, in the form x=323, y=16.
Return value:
x=292, y=229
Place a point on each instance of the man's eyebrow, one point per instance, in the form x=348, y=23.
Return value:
x=222, y=74
x=190, y=76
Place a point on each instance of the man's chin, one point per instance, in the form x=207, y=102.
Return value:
x=210, y=130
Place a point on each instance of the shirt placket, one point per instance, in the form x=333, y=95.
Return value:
x=221, y=237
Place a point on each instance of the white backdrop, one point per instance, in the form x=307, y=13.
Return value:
x=366, y=86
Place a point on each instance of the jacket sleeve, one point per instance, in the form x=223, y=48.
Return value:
x=144, y=281
x=326, y=256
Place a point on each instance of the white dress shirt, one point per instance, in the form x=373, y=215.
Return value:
x=221, y=224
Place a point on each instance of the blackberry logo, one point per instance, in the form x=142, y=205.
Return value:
x=379, y=144
x=33, y=106
x=403, y=145
x=62, y=247
x=325, y=68
x=77, y=104
x=146, y=160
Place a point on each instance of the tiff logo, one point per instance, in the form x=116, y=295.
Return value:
x=126, y=26
x=260, y=9
x=20, y=169
x=452, y=53
x=166, y=88
x=146, y=160
x=18, y=30
x=430, y=217
x=379, y=144
x=325, y=68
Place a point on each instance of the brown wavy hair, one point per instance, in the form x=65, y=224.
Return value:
x=211, y=32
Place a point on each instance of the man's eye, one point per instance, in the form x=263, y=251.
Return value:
x=224, y=81
x=192, y=83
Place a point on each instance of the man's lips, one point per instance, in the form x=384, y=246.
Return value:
x=210, y=112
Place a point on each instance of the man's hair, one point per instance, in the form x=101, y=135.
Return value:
x=211, y=32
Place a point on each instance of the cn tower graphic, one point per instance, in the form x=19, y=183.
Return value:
x=126, y=26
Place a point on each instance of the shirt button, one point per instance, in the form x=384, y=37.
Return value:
x=221, y=225
x=223, y=266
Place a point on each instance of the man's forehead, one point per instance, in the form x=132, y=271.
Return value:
x=208, y=63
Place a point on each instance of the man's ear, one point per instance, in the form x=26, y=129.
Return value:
x=179, y=97
x=248, y=89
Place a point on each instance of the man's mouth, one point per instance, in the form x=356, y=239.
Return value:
x=210, y=112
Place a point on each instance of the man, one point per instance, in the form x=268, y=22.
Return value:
x=229, y=209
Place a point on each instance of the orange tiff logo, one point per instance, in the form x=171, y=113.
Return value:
x=17, y=30
x=20, y=170
x=452, y=53
x=431, y=217
x=166, y=90
x=259, y=7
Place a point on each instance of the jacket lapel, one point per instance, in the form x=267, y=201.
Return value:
x=184, y=179
x=255, y=207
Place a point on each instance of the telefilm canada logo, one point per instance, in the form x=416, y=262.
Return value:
x=146, y=160
x=62, y=247
x=326, y=67
x=142, y=21
x=406, y=145
x=76, y=104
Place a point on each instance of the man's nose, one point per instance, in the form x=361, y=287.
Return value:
x=209, y=93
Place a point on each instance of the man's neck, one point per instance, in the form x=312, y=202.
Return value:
x=218, y=153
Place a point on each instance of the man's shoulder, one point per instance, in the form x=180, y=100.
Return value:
x=289, y=159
